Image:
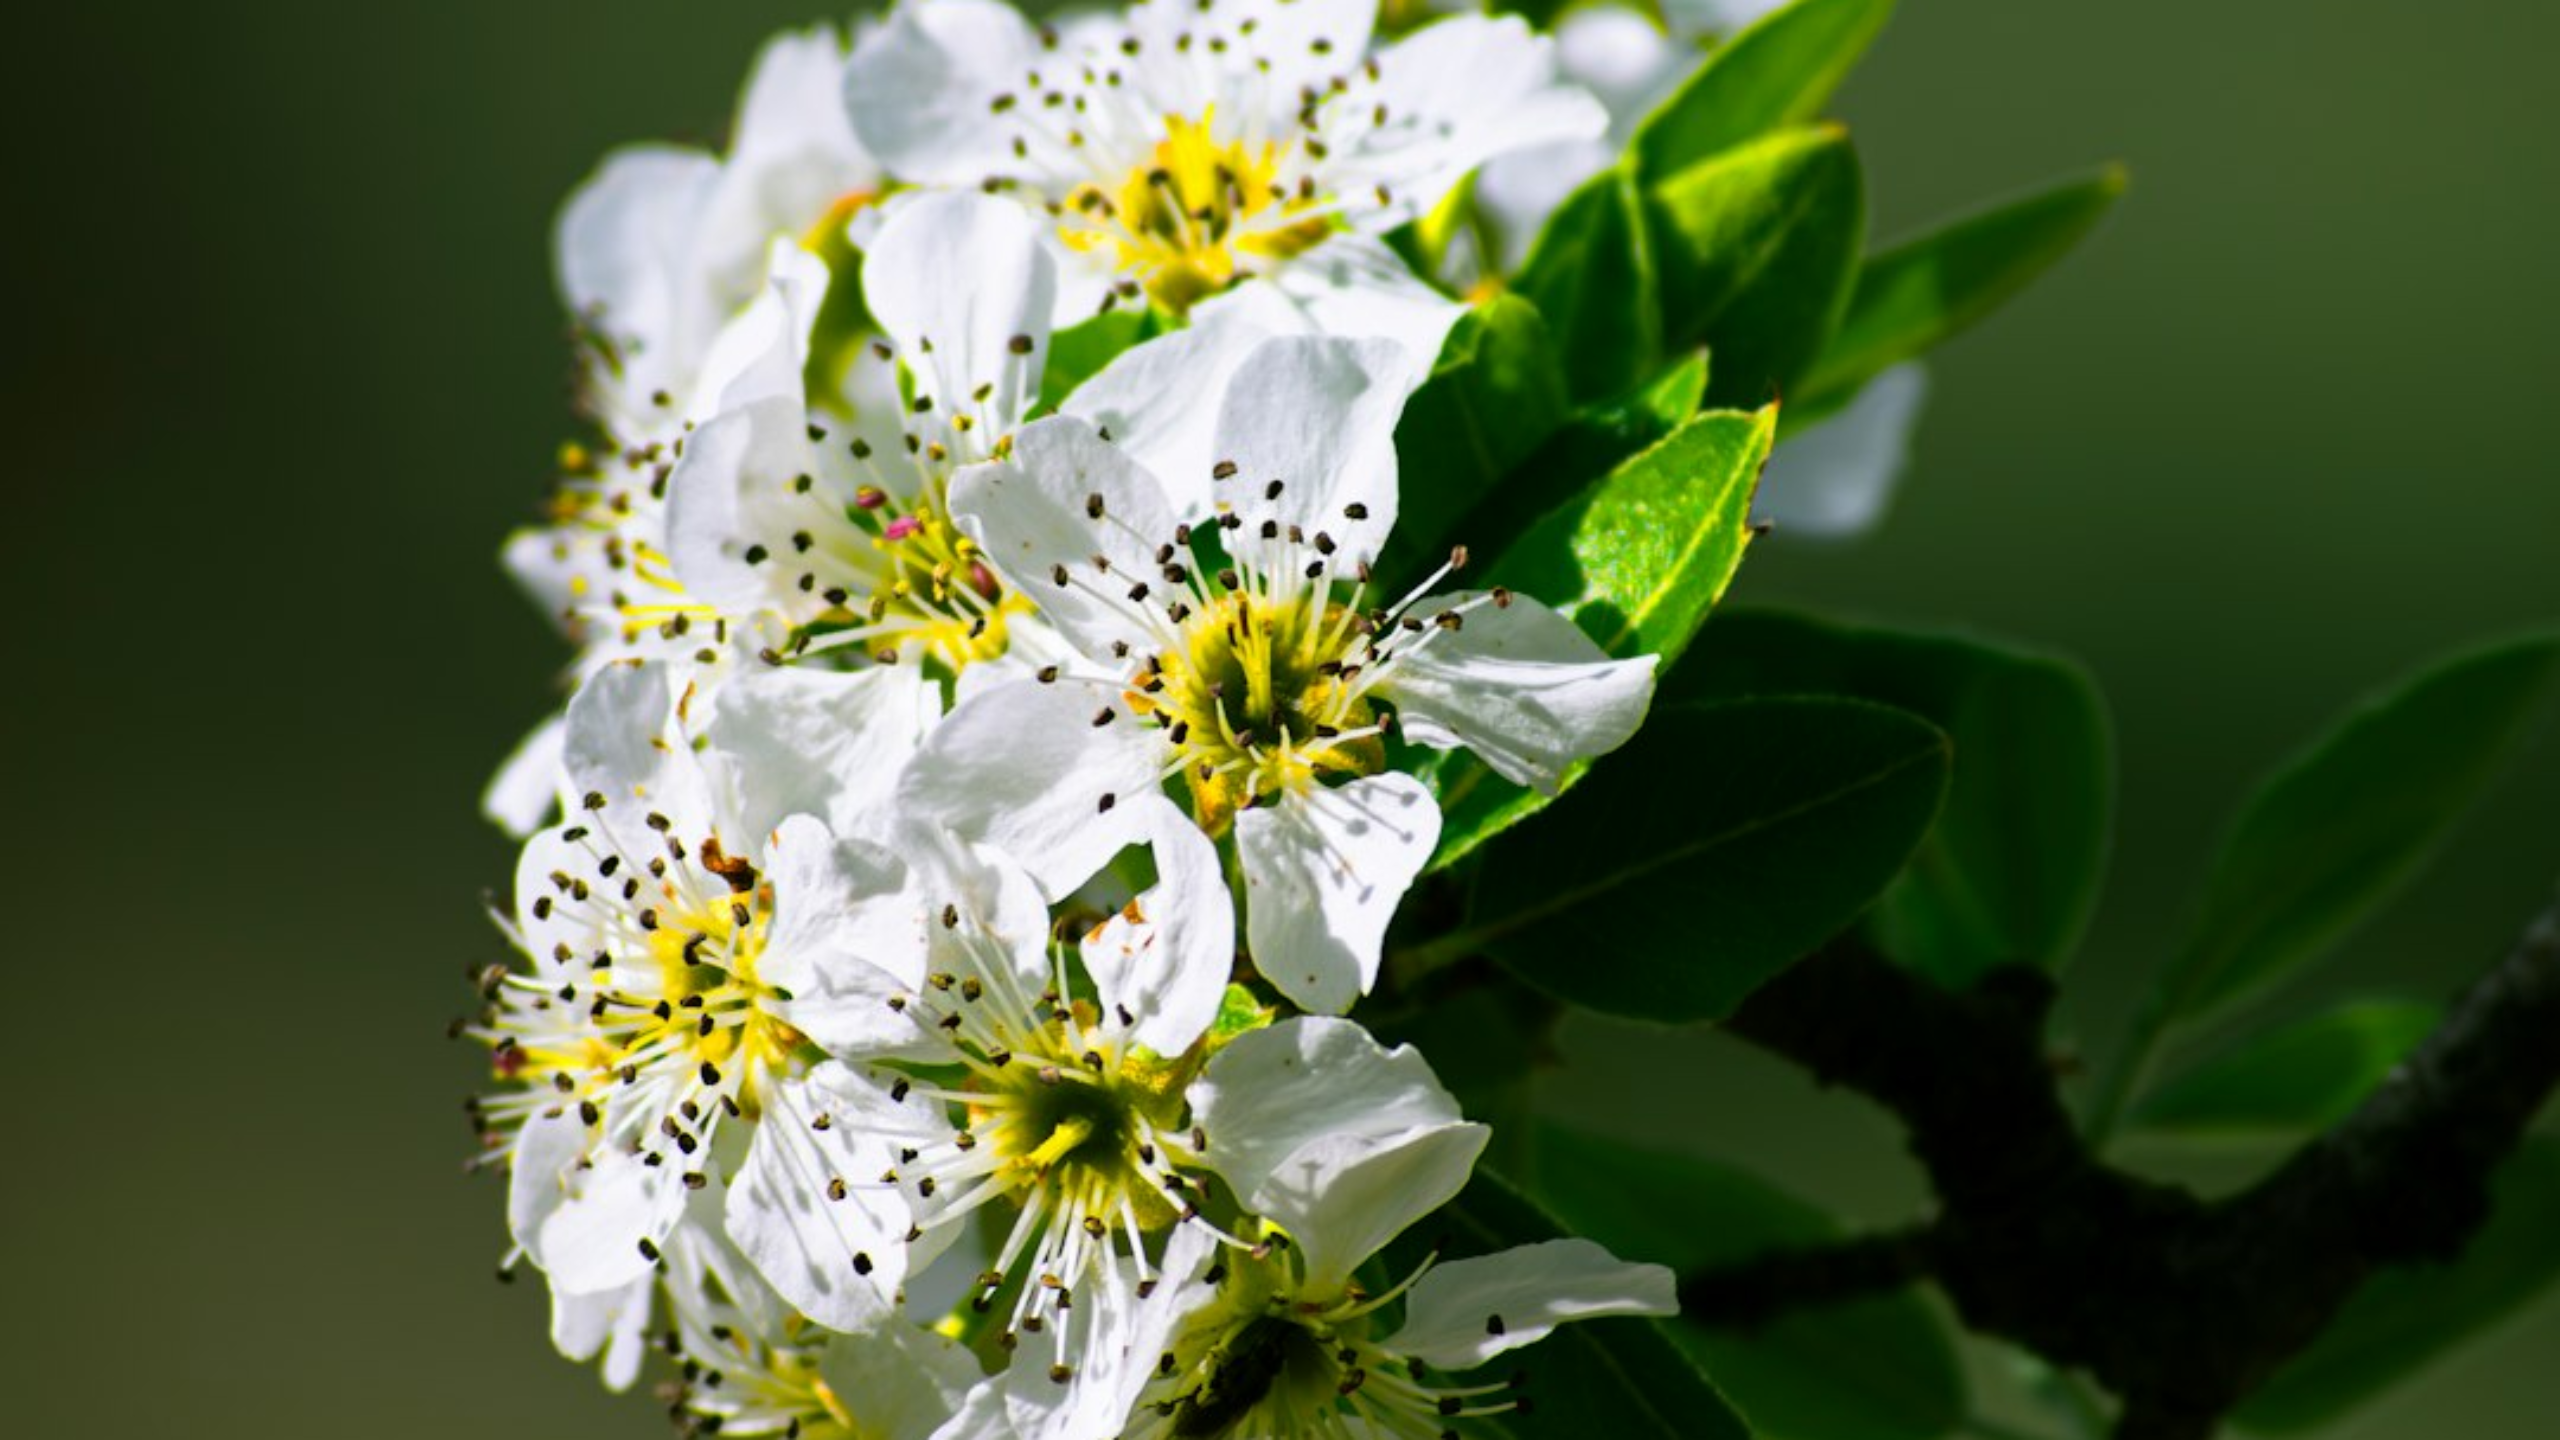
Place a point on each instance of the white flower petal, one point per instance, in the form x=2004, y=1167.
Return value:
x=728, y=492
x=582, y=1209
x=1465, y=1312
x=1272, y=1092
x=1521, y=686
x=1622, y=58
x=1317, y=416
x=1349, y=1200
x=1158, y=401
x=613, y=1324
x=1458, y=92
x=919, y=88
x=795, y=155
x=1274, y=50
x=618, y=747
x=837, y=1252
x=762, y=353
x=1022, y=768
x=623, y=249
x=1114, y=1338
x=985, y=896
x=545, y=564
x=983, y=1414
x=848, y=932
x=963, y=284
x=1165, y=957
x=1353, y=285
x=802, y=741
x=1339, y=1140
x=903, y=1380
x=1323, y=874
x=525, y=793
x=1833, y=481
x=1035, y=515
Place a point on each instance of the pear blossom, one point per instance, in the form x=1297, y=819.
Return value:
x=1226, y=635
x=1342, y=1145
x=666, y=244
x=752, y=1367
x=684, y=932
x=1001, y=1084
x=698, y=1268
x=1201, y=142
x=830, y=525
x=658, y=254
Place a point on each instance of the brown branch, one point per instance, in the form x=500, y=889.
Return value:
x=2180, y=1306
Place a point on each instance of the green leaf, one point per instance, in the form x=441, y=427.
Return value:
x=2403, y=1319
x=1637, y=561
x=1620, y=1377
x=1494, y=398
x=1640, y=558
x=1593, y=440
x=1779, y=72
x=1078, y=353
x=1879, y=1369
x=2329, y=837
x=1591, y=273
x=2296, y=1078
x=1919, y=293
x=1757, y=252
x=1726, y=842
x=2011, y=870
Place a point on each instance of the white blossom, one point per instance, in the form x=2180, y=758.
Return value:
x=1194, y=144
x=829, y=524
x=1342, y=1145
x=1262, y=680
x=684, y=931
x=1004, y=1088
x=659, y=254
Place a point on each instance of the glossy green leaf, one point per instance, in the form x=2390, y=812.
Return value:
x=1593, y=440
x=1078, y=353
x=1726, y=842
x=1495, y=397
x=2403, y=1319
x=1756, y=250
x=2295, y=1078
x=1621, y=1377
x=1879, y=1369
x=1640, y=558
x=1921, y=292
x=1778, y=72
x=2329, y=837
x=1591, y=274
x=2012, y=868
x=1637, y=561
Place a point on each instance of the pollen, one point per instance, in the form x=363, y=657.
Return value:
x=1258, y=695
x=1196, y=211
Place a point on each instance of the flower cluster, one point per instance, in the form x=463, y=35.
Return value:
x=989, y=780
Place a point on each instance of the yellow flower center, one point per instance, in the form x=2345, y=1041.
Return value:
x=1259, y=701
x=1183, y=222
x=1081, y=1126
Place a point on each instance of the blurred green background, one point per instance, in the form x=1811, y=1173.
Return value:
x=285, y=365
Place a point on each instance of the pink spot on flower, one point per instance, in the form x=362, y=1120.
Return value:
x=903, y=526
